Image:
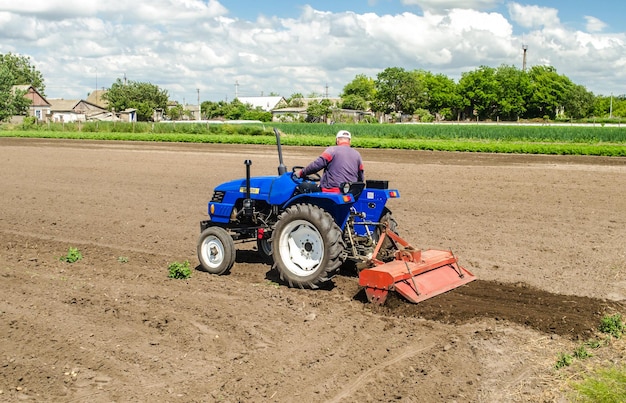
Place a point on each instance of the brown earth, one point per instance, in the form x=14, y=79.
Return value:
x=543, y=234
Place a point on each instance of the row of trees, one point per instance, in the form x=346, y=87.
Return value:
x=501, y=93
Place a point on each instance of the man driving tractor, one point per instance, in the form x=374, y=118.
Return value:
x=341, y=163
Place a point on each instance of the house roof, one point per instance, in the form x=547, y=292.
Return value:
x=265, y=103
x=72, y=105
x=291, y=109
x=21, y=87
x=37, y=99
x=96, y=98
x=63, y=105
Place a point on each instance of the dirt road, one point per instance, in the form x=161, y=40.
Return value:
x=544, y=235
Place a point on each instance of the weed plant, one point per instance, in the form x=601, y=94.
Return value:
x=613, y=325
x=73, y=255
x=179, y=270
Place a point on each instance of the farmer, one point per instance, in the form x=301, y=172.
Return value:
x=341, y=163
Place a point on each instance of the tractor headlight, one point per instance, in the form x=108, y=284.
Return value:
x=345, y=187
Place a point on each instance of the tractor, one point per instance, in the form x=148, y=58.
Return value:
x=308, y=235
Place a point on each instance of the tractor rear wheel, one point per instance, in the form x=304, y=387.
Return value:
x=216, y=250
x=307, y=246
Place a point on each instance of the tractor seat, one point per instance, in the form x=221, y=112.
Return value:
x=355, y=188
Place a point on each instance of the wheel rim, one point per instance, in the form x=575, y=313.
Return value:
x=301, y=247
x=265, y=247
x=212, y=251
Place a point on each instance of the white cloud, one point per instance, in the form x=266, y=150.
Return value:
x=594, y=24
x=533, y=16
x=183, y=45
x=155, y=10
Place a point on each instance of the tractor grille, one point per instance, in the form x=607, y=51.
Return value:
x=218, y=197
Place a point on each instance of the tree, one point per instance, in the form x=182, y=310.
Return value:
x=16, y=70
x=579, y=102
x=513, y=91
x=234, y=110
x=609, y=106
x=354, y=102
x=214, y=110
x=358, y=93
x=479, y=89
x=296, y=100
x=144, y=97
x=549, y=92
x=11, y=102
x=176, y=112
x=22, y=71
x=318, y=111
x=399, y=91
x=442, y=97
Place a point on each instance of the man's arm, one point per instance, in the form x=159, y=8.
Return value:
x=317, y=164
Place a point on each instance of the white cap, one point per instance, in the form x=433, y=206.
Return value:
x=344, y=134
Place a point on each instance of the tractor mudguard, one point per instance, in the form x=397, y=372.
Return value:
x=337, y=204
x=372, y=203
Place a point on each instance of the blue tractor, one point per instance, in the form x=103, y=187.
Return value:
x=306, y=233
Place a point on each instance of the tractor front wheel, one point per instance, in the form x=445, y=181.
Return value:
x=307, y=246
x=216, y=250
x=264, y=247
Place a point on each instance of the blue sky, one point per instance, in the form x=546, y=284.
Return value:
x=572, y=13
x=247, y=48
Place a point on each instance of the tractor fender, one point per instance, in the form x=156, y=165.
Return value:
x=336, y=204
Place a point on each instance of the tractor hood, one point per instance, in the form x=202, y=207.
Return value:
x=272, y=189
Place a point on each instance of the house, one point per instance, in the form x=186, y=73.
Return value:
x=289, y=114
x=65, y=110
x=96, y=97
x=191, y=112
x=266, y=103
x=128, y=115
x=39, y=106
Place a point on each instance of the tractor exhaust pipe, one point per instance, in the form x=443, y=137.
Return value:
x=281, y=167
x=247, y=202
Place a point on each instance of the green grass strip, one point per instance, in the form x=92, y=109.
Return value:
x=263, y=135
x=462, y=145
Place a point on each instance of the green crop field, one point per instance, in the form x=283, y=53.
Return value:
x=563, y=139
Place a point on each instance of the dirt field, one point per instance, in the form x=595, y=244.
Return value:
x=545, y=235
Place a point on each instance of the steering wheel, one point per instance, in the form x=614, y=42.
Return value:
x=311, y=178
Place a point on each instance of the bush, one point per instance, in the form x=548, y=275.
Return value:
x=179, y=270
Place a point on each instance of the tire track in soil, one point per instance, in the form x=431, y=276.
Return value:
x=569, y=316
x=352, y=387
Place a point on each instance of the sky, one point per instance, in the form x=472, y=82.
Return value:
x=220, y=49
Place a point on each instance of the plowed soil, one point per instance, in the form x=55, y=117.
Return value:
x=545, y=236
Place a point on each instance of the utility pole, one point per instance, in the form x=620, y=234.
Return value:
x=611, y=107
x=199, y=114
x=236, y=89
x=525, y=48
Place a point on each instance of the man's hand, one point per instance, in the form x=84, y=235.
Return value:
x=299, y=174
